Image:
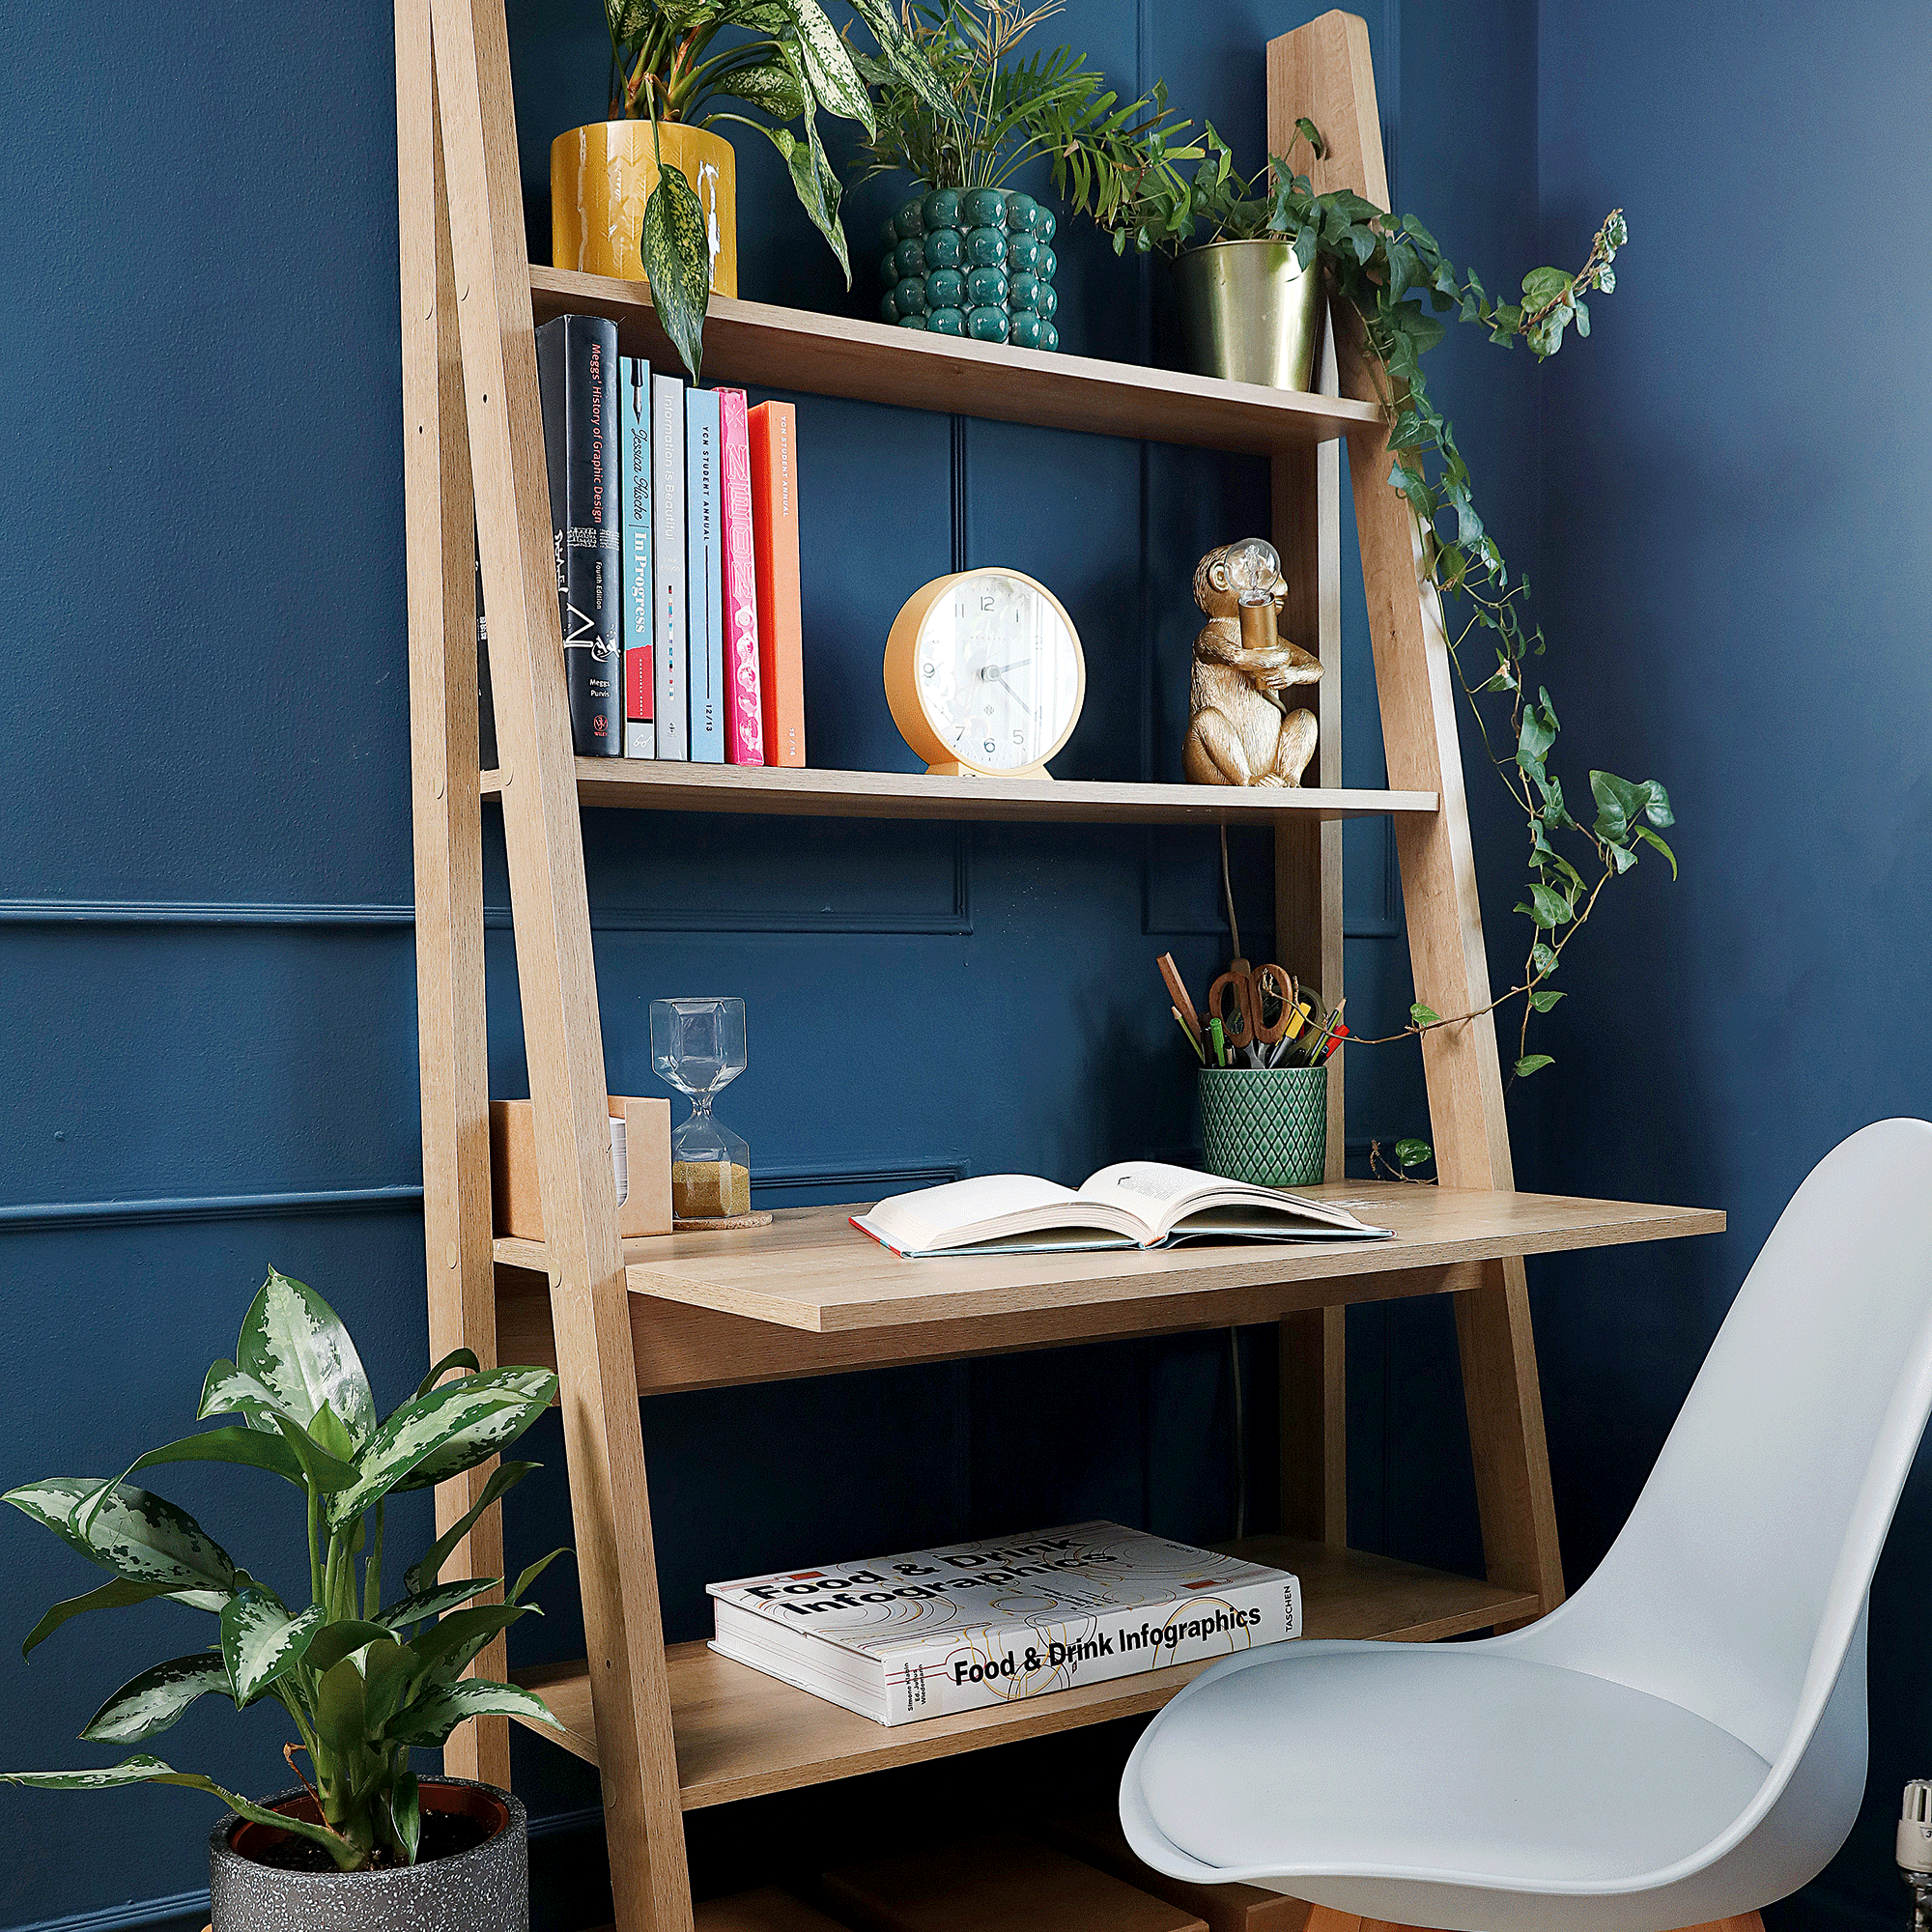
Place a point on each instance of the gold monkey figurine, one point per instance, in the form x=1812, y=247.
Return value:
x=1240, y=730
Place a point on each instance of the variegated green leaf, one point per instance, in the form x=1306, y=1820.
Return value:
x=427, y=1603
x=148, y=1704
x=295, y=1344
x=232, y=1391
x=457, y=1358
x=430, y=1720
x=227, y=1390
x=446, y=1649
x=903, y=57
x=817, y=184
x=118, y=1595
x=422, y=1575
x=251, y=1447
x=142, y=1536
x=143, y=1768
x=52, y=1503
x=834, y=78
x=677, y=263
x=262, y=1642
x=770, y=87
x=492, y=1432
x=342, y=1639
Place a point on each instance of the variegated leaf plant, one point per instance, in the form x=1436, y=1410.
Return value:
x=786, y=61
x=364, y=1681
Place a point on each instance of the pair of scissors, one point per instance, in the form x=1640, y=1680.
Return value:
x=1254, y=988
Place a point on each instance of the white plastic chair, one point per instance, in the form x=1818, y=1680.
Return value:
x=1685, y=1739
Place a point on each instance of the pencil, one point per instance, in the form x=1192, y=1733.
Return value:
x=1191, y=1041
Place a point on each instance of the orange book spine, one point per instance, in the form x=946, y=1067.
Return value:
x=774, y=437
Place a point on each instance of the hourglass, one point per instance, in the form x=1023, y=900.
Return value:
x=697, y=1046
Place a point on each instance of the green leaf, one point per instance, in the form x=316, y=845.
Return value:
x=388, y=1669
x=1650, y=838
x=1544, y=998
x=677, y=262
x=1549, y=907
x=1312, y=134
x=440, y=1434
x=420, y=1607
x=232, y=1391
x=817, y=186
x=261, y=1643
x=118, y=1595
x=1420, y=1015
x=294, y=1344
x=430, y=1720
x=405, y=1814
x=445, y=1650
x=246, y=1446
x=146, y=1538
x=833, y=80
x=771, y=87
x=1541, y=286
x=1533, y=1062
x=340, y=1714
x=421, y=1576
x=534, y=1570
x=341, y=1639
x=146, y=1705
x=52, y=1503
x=1413, y=1153
x=142, y=1769
x=457, y=1358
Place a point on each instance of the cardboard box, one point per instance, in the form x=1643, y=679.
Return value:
x=516, y=1197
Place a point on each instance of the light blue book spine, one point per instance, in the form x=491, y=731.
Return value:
x=668, y=553
x=634, y=489
x=704, y=570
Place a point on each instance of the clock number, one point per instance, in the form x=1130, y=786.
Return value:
x=989, y=748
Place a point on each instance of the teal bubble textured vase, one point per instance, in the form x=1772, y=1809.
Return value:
x=977, y=263
x=1264, y=1124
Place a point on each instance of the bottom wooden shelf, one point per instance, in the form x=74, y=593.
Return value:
x=741, y=1734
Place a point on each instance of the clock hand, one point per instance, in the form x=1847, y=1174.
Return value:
x=988, y=673
x=1016, y=698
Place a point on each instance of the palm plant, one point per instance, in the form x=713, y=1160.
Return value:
x=364, y=1681
x=786, y=61
x=999, y=114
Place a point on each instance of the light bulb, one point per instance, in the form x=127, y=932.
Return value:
x=1252, y=569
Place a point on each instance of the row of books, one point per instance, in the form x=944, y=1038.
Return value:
x=923, y=1634
x=674, y=532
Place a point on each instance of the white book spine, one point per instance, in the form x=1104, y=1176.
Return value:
x=669, y=554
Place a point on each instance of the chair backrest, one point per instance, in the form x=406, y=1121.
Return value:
x=1738, y=1581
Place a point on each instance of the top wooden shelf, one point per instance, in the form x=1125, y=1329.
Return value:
x=834, y=355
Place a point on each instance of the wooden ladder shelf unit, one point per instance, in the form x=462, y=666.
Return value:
x=673, y=1730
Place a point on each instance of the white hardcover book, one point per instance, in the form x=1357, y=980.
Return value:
x=668, y=574
x=634, y=494
x=897, y=1639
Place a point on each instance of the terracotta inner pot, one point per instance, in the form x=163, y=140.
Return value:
x=251, y=1840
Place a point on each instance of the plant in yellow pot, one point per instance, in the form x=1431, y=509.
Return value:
x=653, y=190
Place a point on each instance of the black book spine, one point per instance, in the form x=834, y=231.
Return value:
x=577, y=370
x=486, y=700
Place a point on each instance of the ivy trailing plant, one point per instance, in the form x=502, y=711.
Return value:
x=986, y=114
x=364, y=1681
x=1395, y=278
x=788, y=62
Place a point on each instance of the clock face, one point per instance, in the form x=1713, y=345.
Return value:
x=997, y=672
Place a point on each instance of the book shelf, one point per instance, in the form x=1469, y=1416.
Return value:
x=677, y=1728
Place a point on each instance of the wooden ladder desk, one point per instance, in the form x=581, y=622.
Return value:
x=673, y=1729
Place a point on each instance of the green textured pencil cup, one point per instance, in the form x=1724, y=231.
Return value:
x=1267, y=1126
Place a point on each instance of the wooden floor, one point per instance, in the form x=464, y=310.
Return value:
x=741, y=1734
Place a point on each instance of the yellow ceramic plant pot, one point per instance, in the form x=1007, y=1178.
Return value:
x=600, y=177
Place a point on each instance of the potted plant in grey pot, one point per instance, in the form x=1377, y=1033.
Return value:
x=360, y=1843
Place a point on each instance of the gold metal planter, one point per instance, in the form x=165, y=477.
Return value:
x=1249, y=314
x=600, y=177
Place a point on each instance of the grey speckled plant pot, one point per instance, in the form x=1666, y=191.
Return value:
x=484, y=1889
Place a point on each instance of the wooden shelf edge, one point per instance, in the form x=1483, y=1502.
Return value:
x=823, y=794
x=747, y=342
x=741, y=1734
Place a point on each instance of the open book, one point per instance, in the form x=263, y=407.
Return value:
x=1136, y=1204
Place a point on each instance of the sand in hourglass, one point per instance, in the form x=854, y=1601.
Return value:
x=699, y=1046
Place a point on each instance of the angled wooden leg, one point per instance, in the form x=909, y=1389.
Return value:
x=630, y=1686
x=450, y=1010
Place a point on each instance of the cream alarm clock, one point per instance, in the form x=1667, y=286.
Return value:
x=985, y=675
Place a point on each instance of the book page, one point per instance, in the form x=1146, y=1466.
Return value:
x=937, y=1217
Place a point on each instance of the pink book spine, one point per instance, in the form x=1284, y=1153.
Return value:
x=744, y=712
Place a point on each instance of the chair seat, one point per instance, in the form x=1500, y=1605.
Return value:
x=1438, y=1763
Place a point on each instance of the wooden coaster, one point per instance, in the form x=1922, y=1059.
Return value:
x=695, y=1224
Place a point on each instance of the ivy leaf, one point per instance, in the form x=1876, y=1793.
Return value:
x=1420, y=1015
x=1533, y=1062
x=1550, y=908
x=677, y=262
x=1541, y=286
x=1650, y=838
x=1544, y=998
x=1312, y=134
x=1543, y=959
x=1413, y=1153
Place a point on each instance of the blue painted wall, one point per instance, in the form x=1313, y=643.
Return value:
x=205, y=981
